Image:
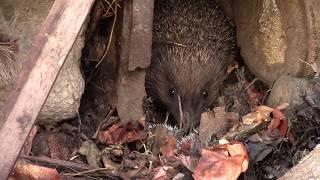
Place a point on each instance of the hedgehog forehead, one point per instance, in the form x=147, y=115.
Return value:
x=189, y=69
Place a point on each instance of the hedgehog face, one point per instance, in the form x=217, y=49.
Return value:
x=185, y=81
x=186, y=109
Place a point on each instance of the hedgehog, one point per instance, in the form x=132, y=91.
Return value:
x=192, y=45
x=9, y=64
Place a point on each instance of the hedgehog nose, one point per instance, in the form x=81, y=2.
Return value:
x=187, y=123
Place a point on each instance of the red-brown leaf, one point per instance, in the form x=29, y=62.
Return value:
x=169, y=148
x=161, y=173
x=119, y=134
x=222, y=162
x=24, y=170
x=190, y=162
x=279, y=122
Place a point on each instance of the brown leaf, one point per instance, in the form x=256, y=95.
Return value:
x=92, y=153
x=263, y=112
x=186, y=146
x=190, y=162
x=25, y=171
x=161, y=173
x=279, y=122
x=250, y=118
x=254, y=96
x=222, y=162
x=56, y=143
x=169, y=148
x=216, y=122
x=260, y=113
x=120, y=133
x=164, y=141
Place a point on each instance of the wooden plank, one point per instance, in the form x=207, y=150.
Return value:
x=136, y=19
x=49, y=51
x=140, y=31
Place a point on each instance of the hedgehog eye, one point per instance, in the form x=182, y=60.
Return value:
x=172, y=92
x=204, y=93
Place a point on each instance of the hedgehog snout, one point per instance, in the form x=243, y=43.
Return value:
x=188, y=117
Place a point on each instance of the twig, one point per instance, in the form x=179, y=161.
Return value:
x=250, y=84
x=83, y=173
x=245, y=133
x=110, y=6
x=110, y=37
x=57, y=163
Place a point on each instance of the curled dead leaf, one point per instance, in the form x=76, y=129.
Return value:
x=260, y=113
x=222, y=162
x=120, y=133
x=279, y=121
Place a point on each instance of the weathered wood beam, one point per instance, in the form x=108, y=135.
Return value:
x=49, y=51
x=308, y=167
x=136, y=19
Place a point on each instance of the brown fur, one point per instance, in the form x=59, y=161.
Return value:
x=8, y=60
x=192, y=46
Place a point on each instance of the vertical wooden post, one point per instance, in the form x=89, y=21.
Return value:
x=49, y=51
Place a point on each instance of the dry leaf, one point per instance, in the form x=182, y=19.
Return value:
x=164, y=141
x=92, y=153
x=23, y=170
x=57, y=147
x=216, y=122
x=263, y=112
x=120, y=133
x=169, y=148
x=190, y=162
x=254, y=96
x=222, y=162
x=260, y=113
x=279, y=122
x=161, y=173
x=249, y=118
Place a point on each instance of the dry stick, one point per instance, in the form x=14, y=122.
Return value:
x=104, y=9
x=250, y=84
x=246, y=133
x=109, y=41
x=88, y=172
x=67, y=165
x=58, y=163
x=110, y=36
x=110, y=5
x=108, y=14
x=49, y=51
